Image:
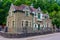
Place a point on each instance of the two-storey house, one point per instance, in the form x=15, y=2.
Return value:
x=26, y=19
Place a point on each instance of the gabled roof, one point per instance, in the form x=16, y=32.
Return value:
x=32, y=9
x=22, y=7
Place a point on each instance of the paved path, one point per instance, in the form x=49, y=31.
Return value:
x=54, y=36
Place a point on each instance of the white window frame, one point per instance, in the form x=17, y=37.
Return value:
x=41, y=16
x=25, y=21
x=40, y=26
x=38, y=18
x=26, y=13
x=35, y=14
x=27, y=10
x=36, y=26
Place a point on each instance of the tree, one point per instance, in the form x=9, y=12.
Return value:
x=4, y=7
x=50, y=6
x=19, y=2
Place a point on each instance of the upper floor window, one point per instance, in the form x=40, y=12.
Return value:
x=13, y=23
x=26, y=23
x=27, y=13
x=22, y=23
x=38, y=15
x=35, y=14
x=46, y=16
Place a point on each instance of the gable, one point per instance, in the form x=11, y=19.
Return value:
x=11, y=8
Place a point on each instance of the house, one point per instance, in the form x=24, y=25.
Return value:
x=26, y=19
x=41, y=20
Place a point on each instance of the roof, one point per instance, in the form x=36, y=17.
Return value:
x=22, y=7
x=32, y=9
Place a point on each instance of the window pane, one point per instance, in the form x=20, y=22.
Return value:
x=34, y=25
x=38, y=26
x=13, y=23
x=38, y=15
x=26, y=23
x=35, y=14
x=30, y=24
x=26, y=13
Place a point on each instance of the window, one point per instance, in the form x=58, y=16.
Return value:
x=22, y=23
x=13, y=23
x=38, y=26
x=26, y=24
x=35, y=13
x=41, y=16
x=45, y=17
x=38, y=15
x=29, y=24
x=35, y=25
x=27, y=13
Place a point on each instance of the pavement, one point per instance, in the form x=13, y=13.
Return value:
x=53, y=36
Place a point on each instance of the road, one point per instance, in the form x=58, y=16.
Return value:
x=54, y=36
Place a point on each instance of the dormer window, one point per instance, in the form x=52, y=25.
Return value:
x=39, y=13
x=27, y=13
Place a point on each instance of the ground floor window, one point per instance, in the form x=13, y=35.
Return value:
x=35, y=25
x=38, y=26
x=13, y=23
x=22, y=23
x=26, y=23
